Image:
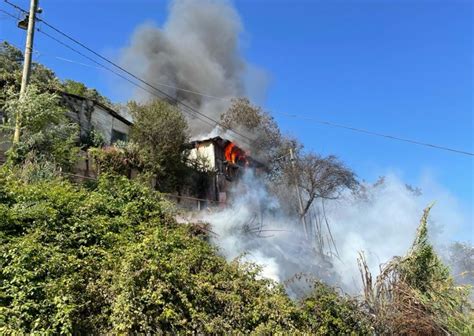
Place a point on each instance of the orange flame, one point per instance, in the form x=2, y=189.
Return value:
x=228, y=152
x=234, y=154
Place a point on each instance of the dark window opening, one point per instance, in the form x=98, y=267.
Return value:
x=118, y=136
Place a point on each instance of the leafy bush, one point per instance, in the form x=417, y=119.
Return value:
x=114, y=159
x=80, y=89
x=11, y=66
x=331, y=314
x=92, y=138
x=47, y=134
x=112, y=260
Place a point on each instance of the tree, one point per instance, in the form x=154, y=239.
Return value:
x=11, y=59
x=160, y=131
x=257, y=124
x=10, y=64
x=47, y=133
x=322, y=177
x=80, y=89
x=318, y=177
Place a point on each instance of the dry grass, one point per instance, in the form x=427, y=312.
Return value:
x=415, y=294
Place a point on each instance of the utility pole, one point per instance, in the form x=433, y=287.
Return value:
x=298, y=191
x=26, y=64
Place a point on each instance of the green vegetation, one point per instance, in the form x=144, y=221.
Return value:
x=45, y=80
x=11, y=66
x=111, y=259
x=160, y=132
x=416, y=294
x=121, y=159
x=78, y=88
x=107, y=257
x=47, y=133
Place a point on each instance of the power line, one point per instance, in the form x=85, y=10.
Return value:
x=109, y=69
x=101, y=66
x=327, y=123
x=156, y=83
x=168, y=96
x=194, y=111
x=9, y=14
x=360, y=130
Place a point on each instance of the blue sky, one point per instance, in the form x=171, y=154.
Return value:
x=403, y=68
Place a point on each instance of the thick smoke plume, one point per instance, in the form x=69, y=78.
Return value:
x=197, y=49
x=381, y=221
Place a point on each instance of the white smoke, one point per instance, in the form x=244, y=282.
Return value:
x=254, y=229
x=197, y=49
x=382, y=222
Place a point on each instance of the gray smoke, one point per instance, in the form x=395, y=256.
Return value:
x=381, y=223
x=197, y=49
x=255, y=229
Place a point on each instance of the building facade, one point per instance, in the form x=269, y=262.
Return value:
x=226, y=163
x=92, y=115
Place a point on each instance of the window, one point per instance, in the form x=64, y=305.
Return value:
x=118, y=136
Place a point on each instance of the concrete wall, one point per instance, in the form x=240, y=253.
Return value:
x=120, y=126
x=90, y=115
x=80, y=111
x=204, y=150
x=102, y=121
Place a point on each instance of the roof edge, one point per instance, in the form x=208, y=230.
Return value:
x=103, y=106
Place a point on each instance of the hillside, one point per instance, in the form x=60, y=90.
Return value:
x=109, y=258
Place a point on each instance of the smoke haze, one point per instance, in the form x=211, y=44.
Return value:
x=197, y=49
x=382, y=222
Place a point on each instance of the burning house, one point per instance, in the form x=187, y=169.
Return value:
x=225, y=162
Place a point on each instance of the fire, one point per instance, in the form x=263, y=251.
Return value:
x=235, y=155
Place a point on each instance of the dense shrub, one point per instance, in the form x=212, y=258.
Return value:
x=46, y=132
x=120, y=158
x=113, y=260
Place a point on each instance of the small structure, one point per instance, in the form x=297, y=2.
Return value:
x=93, y=115
x=225, y=162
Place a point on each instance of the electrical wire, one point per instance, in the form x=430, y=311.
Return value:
x=360, y=130
x=100, y=66
x=9, y=14
x=191, y=110
x=112, y=71
x=194, y=111
x=156, y=83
